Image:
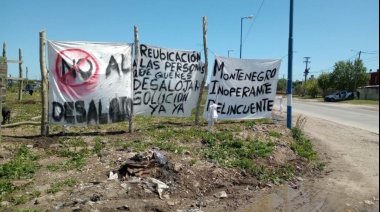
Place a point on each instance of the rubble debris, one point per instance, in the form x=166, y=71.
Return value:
x=190, y=210
x=141, y=165
x=369, y=202
x=177, y=167
x=293, y=185
x=134, y=180
x=124, y=208
x=112, y=176
x=201, y=204
x=171, y=203
x=96, y=197
x=221, y=195
x=269, y=185
x=158, y=185
x=59, y=205
x=159, y=157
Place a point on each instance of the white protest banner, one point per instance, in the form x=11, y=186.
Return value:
x=167, y=82
x=243, y=88
x=89, y=83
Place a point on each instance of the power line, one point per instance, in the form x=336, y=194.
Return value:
x=366, y=52
x=332, y=67
x=371, y=59
x=254, y=19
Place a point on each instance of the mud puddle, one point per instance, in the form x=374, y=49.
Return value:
x=285, y=198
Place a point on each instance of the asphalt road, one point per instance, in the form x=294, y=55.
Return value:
x=363, y=117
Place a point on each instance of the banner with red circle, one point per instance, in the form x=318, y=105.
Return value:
x=89, y=83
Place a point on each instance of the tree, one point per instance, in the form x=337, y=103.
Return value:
x=348, y=75
x=312, y=87
x=361, y=77
x=342, y=76
x=282, y=84
x=324, y=82
x=297, y=87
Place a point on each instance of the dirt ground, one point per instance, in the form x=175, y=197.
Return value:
x=351, y=179
x=349, y=182
x=186, y=186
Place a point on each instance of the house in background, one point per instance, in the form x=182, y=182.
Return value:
x=371, y=91
x=374, y=80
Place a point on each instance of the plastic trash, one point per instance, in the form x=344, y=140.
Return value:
x=212, y=116
x=113, y=176
x=160, y=186
x=64, y=128
x=159, y=157
x=293, y=185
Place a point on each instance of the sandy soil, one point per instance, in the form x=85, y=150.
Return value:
x=350, y=180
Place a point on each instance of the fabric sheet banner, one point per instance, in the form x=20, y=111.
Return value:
x=243, y=88
x=89, y=83
x=167, y=82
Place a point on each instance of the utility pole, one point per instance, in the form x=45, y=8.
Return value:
x=306, y=72
x=356, y=73
x=290, y=69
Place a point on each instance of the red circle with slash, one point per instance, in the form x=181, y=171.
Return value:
x=77, y=72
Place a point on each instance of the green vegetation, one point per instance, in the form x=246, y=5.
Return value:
x=275, y=134
x=301, y=145
x=6, y=187
x=282, y=84
x=231, y=144
x=76, y=161
x=17, y=200
x=324, y=82
x=22, y=166
x=346, y=75
x=57, y=186
x=312, y=87
x=349, y=75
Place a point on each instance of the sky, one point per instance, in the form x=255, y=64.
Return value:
x=327, y=31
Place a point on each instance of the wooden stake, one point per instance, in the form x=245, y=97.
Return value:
x=21, y=123
x=1, y=106
x=134, y=66
x=20, y=70
x=206, y=70
x=44, y=86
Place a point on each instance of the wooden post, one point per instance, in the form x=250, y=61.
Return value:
x=44, y=86
x=135, y=64
x=20, y=70
x=206, y=70
x=1, y=106
x=6, y=73
x=27, y=81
